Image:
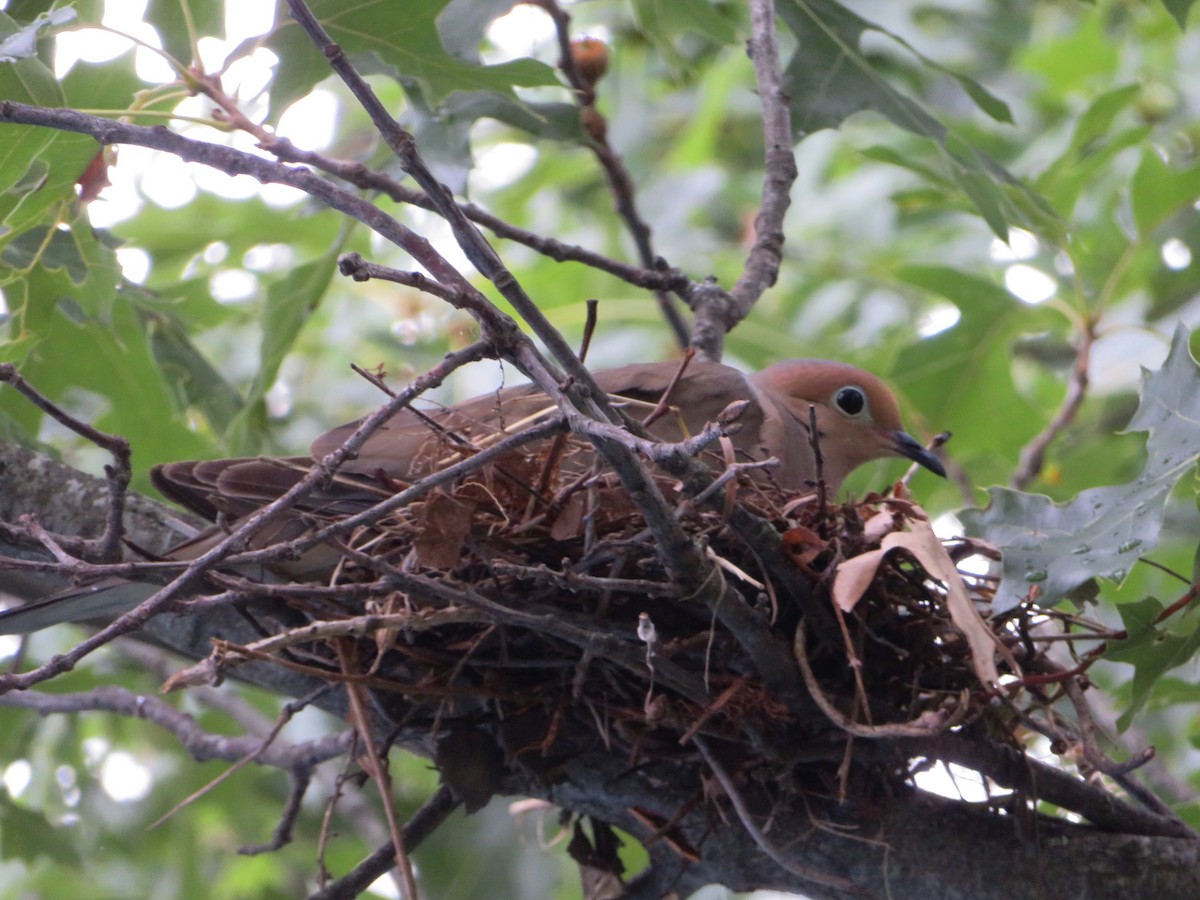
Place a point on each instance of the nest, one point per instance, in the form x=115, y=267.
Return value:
x=528, y=600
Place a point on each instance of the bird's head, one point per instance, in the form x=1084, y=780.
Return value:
x=858, y=419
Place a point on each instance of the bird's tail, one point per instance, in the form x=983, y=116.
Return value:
x=103, y=601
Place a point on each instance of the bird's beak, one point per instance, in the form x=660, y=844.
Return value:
x=908, y=446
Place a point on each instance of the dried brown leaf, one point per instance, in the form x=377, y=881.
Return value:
x=445, y=524
x=855, y=575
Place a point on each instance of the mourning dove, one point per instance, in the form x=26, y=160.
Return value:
x=857, y=418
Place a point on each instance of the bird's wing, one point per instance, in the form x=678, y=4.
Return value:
x=699, y=396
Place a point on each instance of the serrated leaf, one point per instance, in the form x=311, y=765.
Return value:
x=1103, y=531
x=96, y=358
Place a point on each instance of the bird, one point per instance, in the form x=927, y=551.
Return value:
x=856, y=413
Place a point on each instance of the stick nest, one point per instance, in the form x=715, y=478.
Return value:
x=529, y=600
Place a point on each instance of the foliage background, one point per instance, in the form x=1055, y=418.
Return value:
x=237, y=338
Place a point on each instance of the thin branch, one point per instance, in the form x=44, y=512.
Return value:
x=282, y=836
x=655, y=276
x=717, y=312
x=1120, y=772
x=300, y=773
x=499, y=328
x=357, y=268
x=376, y=765
x=1013, y=769
x=927, y=724
x=620, y=182
x=424, y=822
x=1033, y=455
x=202, y=745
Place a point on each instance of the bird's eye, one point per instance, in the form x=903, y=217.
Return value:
x=851, y=400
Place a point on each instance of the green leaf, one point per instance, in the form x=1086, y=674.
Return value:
x=1080, y=58
x=462, y=25
x=91, y=351
x=1179, y=10
x=829, y=79
x=27, y=835
x=668, y=23
x=444, y=134
x=1103, y=531
x=836, y=75
x=26, y=80
x=290, y=303
x=381, y=39
x=1093, y=146
x=22, y=43
x=186, y=371
x=181, y=22
x=1151, y=650
x=111, y=84
x=1158, y=191
x=943, y=373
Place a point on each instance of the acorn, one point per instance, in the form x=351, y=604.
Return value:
x=590, y=58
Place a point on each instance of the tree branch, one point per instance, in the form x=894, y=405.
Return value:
x=717, y=312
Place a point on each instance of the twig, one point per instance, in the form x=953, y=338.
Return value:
x=664, y=402
x=717, y=312
x=747, y=820
x=619, y=181
x=376, y=765
x=200, y=744
x=1033, y=455
x=357, y=268
x=589, y=328
x=1119, y=772
x=424, y=822
x=926, y=724
x=282, y=836
x=286, y=714
x=655, y=277
x=574, y=582
x=814, y=443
